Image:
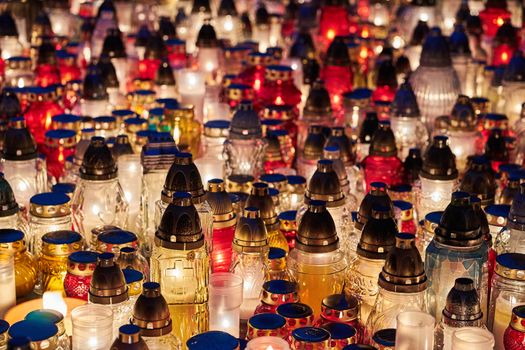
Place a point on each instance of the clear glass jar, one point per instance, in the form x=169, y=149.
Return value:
x=211, y=163
x=56, y=318
x=10, y=215
x=130, y=258
x=409, y=133
x=425, y=231
x=47, y=212
x=18, y=72
x=53, y=260
x=180, y=263
x=11, y=47
x=12, y=242
x=463, y=144
x=27, y=178
x=130, y=179
x=508, y=291
x=435, y=195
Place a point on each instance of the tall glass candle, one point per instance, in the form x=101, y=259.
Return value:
x=225, y=301
x=192, y=89
x=415, y=330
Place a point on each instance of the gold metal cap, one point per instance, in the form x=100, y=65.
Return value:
x=250, y=233
x=49, y=205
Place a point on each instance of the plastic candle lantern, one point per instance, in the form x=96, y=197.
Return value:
x=95, y=98
x=296, y=189
x=480, y=181
x=324, y=185
x=334, y=21
x=10, y=215
x=467, y=337
x=438, y=176
x=211, y=163
x=276, y=293
x=287, y=115
x=496, y=149
x=18, y=72
x=279, y=88
x=514, y=337
x=228, y=22
x=415, y=330
x=341, y=309
x=98, y=198
x=458, y=236
x=254, y=73
x=151, y=314
x=224, y=220
x=339, y=138
x=244, y=148
x=376, y=196
x=43, y=106
x=404, y=213
x=41, y=333
x=509, y=239
x=405, y=121
x=80, y=268
x=111, y=82
x=513, y=81
x=180, y=263
x=382, y=163
x=462, y=309
x=9, y=36
x=435, y=99
x=366, y=130
x=461, y=59
x=425, y=11
x=108, y=288
x=336, y=72
x=208, y=53
x=334, y=154
x=415, y=44
x=114, y=49
x=111, y=239
x=266, y=324
x=213, y=338
x=317, y=263
x=505, y=43
x=317, y=110
x=92, y=327
x=192, y=89
x=250, y=256
x=59, y=144
x=494, y=16
x=310, y=338
x=184, y=176
x=377, y=240
x=46, y=71
x=226, y=291
x=311, y=152
x=165, y=81
x=106, y=19
x=21, y=271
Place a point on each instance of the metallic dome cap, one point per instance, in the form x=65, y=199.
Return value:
x=462, y=308
x=151, y=312
x=317, y=232
x=324, y=185
x=378, y=236
x=183, y=176
x=220, y=203
x=250, y=233
x=108, y=285
x=98, y=163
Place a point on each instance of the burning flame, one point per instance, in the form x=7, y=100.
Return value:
x=330, y=34
x=53, y=300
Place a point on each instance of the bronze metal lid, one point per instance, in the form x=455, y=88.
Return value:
x=462, y=308
x=317, y=232
x=61, y=243
x=239, y=183
x=260, y=198
x=404, y=271
x=439, y=163
x=314, y=143
x=50, y=205
x=108, y=285
x=8, y=204
x=183, y=176
x=517, y=321
x=377, y=195
x=180, y=226
x=511, y=266
x=324, y=185
x=340, y=308
x=129, y=339
x=250, y=233
x=333, y=153
x=98, y=163
x=221, y=204
x=378, y=237
x=463, y=117
x=151, y=312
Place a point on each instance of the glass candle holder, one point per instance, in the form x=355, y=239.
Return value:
x=92, y=327
x=276, y=293
x=131, y=258
x=514, y=335
x=130, y=178
x=47, y=212
x=8, y=290
x=415, y=330
x=267, y=342
x=43, y=106
x=211, y=161
x=192, y=89
x=225, y=301
x=297, y=315
x=53, y=260
x=18, y=72
x=80, y=268
x=277, y=269
x=468, y=337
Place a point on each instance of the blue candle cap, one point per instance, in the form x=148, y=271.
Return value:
x=402, y=205
x=359, y=347
x=212, y=340
x=276, y=253
x=510, y=261
x=67, y=118
x=49, y=199
x=217, y=124
x=280, y=287
x=61, y=237
x=359, y=94
x=117, y=237
x=19, y=343
x=168, y=103
x=121, y=113
x=340, y=330
x=83, y=257
x=63, y=187
x=60, y=134
x=4, y=326
x=267, y=321
x=45, y=315
x=310, y=334
x=132, y=276
x=34, y=330
x=271, y=178
x=9, y=235
x=294, y=310
x=499, y=210
x=385, y=337
x=405, y=102
x=296, y=180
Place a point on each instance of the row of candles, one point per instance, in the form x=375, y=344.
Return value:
x=301, y=241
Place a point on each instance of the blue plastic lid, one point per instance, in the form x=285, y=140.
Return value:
x=34, y=330
x=296, y=180
x=132, y=276
x=273, y=191
x=239, y=86
x=39, y=90
x=106, y=256
x=385, y=337
x=273, y=178
x=128, y=250
x=280, y=287
x=156, y=112
x=135, y=121
x=181, y=195
x=403, y=205
x=129, y=329
x=332, y=148
x=20, y=58
x=105, y=119
x=217, y=124
x=277, y=133
x=123, y=112
x=144, y=133
x=519, y=311
x=267, y=321
x=380, y=185
x=405, y=235
x=501, y=210
x=10, y=235
x=83, y=257
x=212, y=340
x=289, y=215
x=62, y=237
x=144, y=92
x=310, y=334
x=49, y=198
x=359, y=94
x=359, y=347
x=117, y=237
x=63, y=187
x=294, y=310
x=434, y=217
x=4, y=326
x=513, y=261
x=175, y=41
x=340, y=330
x=401, y=188
x=276, y=253
x=271, y=122
x=45, y=315
x=495, y=116
x=63, y=54
x=66, y=118
x=87, y=131
x=151, y=285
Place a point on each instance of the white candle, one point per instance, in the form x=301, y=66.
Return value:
x=7, y=283
x=415, y=330
x=225, y=300
x=267, y=343
x=502, y=316
x=468, y=338
x=192, y=88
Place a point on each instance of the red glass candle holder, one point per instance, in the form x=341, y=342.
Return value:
x=334, y=21
x=42, y=107
x=338, y=80
x=514, y=338
x=502, y=54
x=46, y=75
x=266, y=324
x=341, y=308
x=493, y=17
x=177, y=56
x=59, y=145
x=404, y=213
x=79, y=271
x=68, y=68
x=276, y=293
x=278, y=88
x=288, y=115
x=235, y=93
x=288, y=226
x=254, y=74
x=383, y=169
x=297, y=315
x=221, y=255
x=147, y=68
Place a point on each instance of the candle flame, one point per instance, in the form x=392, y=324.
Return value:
x=269, y=347
x=53, y=300
x=330, y=34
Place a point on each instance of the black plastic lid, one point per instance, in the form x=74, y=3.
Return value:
x=303, y=46
x=227, y=8
x=480, y=180
x=439, y=163
x=311, y=70
x=463, y=116
x=164, y=75
x=378, y=236
x=318, y=103
x=377, y=196
x=113, y=46
x=9, y=104
x=46, y=52
x=8, y=204
x=155, y=48
x=207, y=37
x=436, y=52
x=386, y=74
x=337, y=54
x=462, y=308
x=369, y=126
x=167, y=28
x=405, y=102
x=419, y=34
x=98, y=163
x=339, y=139
x=18, y=142
x=413, y=164
x=383, y=142
x=245, y=122
x=317, y=232
x=496, y=147
x=8, y=25
x=200, y=6
x=94, y=88
x=262, y=17
x=183, y=176
x=108, y=72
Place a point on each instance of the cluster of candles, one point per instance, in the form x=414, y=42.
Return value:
x=262, y=175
